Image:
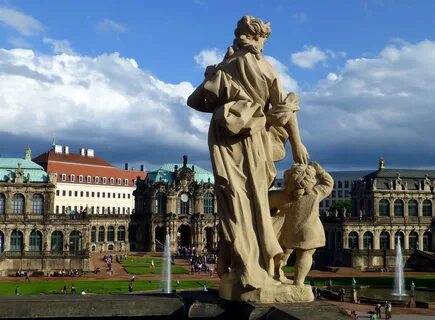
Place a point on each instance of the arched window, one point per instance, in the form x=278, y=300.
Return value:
x=104, y=180
x=112, y=181
x=75, y=242
x=126, y=182
x=368, y=240
x=101, y=234
x=35, y=241
x=97, y=179
x=94, y=234
x=88, y=179
x=80, y=178
x=353, y=240
x=184, y=203
x=398, y=208
x=413, y=240
x=399, y=236
x=110, y=233
x=16, y=241
x=412, y=208
x=160, y=203
x=2, y=203
x=427, y=241
x=110, y=247
x=18, y=204
x=119, y=181
x=384, y=208
x=427, y=208
x=384, y=240
x=63, y=177
x=121, y=233
x=71, y=178
x=37, y=204
x=57, y=241
x=208, y=203
x=93, y=248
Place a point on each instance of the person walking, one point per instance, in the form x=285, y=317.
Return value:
x=388, y=310
x=378, y=310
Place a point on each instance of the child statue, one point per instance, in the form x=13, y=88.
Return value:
x=295, y=214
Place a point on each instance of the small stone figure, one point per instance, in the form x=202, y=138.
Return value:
x=297, y=223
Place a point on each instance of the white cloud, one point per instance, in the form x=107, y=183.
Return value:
x=23, y=23
x=383, y=106
x=300, y=17
x=288, y=83
x=105, y=99
x=110, y=25
x=209, y=57
x=308, y=58
x=59, y=46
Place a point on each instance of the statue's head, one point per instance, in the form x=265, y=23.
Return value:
x=252, y=32
x=299, y=180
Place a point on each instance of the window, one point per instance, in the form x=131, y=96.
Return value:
x=75, y=242
x=35, y=241
x=103, y=194
x=110, y=247
x=58, y=192
x=57, y=209
x=63, y=209
x=70, y=193
x=126, y=182
x=98, y=210
x=76, y=193
x=18, y=204
x=208, y=203
x=110, y=233
x=129, y=195
x=119, y=181
x=80, y=178
x=16, y=241
x=98, y=194
x=398, y=208
x=123, y=210
x=114, y=195
x=112, y=181
x=121, y=233
x=184, y=203
x=119, y=196
x=64, y=193
x=333, y=193
x=57, y=241
x=101, y=232
x=413, y=240
x=427, y=241
x=353, y=240
x=37, y=204
x=427, y=208
x=368, y=240
x=104, y=180
x=346, y=184
x=97, y=180
x=340, y=184
x=63, y=177
x=160, y=203
x=384, y=208
x=2, y=203
x=340, y=193
x=93, y=194
x=88, y=179
x=412, y=208
x=81, y=193
x=384, y=239
x=108, y=194
x=71, y=178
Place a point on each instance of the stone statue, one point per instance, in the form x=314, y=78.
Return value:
x=297, y=223
x=252, y=119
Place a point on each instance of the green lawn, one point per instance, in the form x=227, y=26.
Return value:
x=419, y=281
x=142, y=265
x=99, y=286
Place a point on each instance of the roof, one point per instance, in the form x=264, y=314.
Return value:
x=409, y=179
x=83, y=165
x=404, y=173
x=35, y=172
x=166, y=173
x=350, y=175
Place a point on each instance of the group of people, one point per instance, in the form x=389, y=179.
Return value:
x=108, y=260
x=387, y=310
x=66, y=273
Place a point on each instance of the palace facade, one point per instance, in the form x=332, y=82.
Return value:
x=388, y=206
x=176, y=200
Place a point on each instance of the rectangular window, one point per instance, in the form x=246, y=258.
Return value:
x=108, y=194
x=57, y=209
x=119, y=196
x=81, y=193
x=58, y=192
x=80, y=178
x=114, y=195
x=70, y=193
x=123, y=210
x=63, y=209
x=87, y=193
x=88, y=179
x=340, y=193
x=123, y=195
x=64, y=193
x=93, y=194
x=104, y=194
x=333, y=193
x=76, y=193
x=346, y=184
x=98, y=194
x=129, y=196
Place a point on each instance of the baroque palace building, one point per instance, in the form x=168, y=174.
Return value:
x=387, y=205
x=176, y=200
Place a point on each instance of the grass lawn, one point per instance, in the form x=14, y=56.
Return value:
x=419, y=280
x=95, y=286
x=142, y=265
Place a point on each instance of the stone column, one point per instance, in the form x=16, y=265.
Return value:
x=7, y=239
x=420, y=239
x=392, y=240
x=376, y=207
x=376, y=240
x=406, y=240
x=153, y=237
x=345, y=236
x=27, y=204
x=26, y=239
x=8, y=205
x=420, y=207
x=405, y=209
x=391, y=206
x=360, y=240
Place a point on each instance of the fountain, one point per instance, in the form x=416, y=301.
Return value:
x=399, y=280
x=166, y=275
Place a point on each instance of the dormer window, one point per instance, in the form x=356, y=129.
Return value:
x=80, y=178
x=97, y=180
x=63, y=177
x=126, y=182
x=119, y=181
x=88, y=179
x=104, y=180
x=112, y=181
x=71, y=178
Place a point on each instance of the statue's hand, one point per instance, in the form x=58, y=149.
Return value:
x=300, y=154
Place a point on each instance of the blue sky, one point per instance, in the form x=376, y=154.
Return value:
x=114, y=76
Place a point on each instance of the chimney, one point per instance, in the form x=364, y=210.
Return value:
x=141, y=167
x=90, y=153
x=66, y=150
x=184, y=161
x=126, y=166
x=82, y=152
x=58, y=148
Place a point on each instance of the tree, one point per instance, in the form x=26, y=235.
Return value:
x=340, y=208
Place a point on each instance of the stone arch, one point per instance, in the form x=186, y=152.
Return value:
x=412, y=208
x=56, y=241
x=18, y=203
x=353, y=239
x=413, y=240
x=384, y=240
x=160, y=234
x=427, y=208
x=185, y=235
x=399, y=210
x=17, y=240
x=37, y=203
x=368, y=240
x=384, y=208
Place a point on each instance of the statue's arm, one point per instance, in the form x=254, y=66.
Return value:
x=325, y=183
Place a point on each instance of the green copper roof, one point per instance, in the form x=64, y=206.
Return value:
x=166, y=173
x=32, y=170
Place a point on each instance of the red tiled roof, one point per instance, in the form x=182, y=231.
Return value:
x=76, y=164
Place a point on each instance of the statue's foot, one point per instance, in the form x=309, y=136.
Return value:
x=285, y=280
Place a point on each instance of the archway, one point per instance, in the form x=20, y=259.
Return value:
x=209, y=233
x=160, y=234
x=185, y=236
